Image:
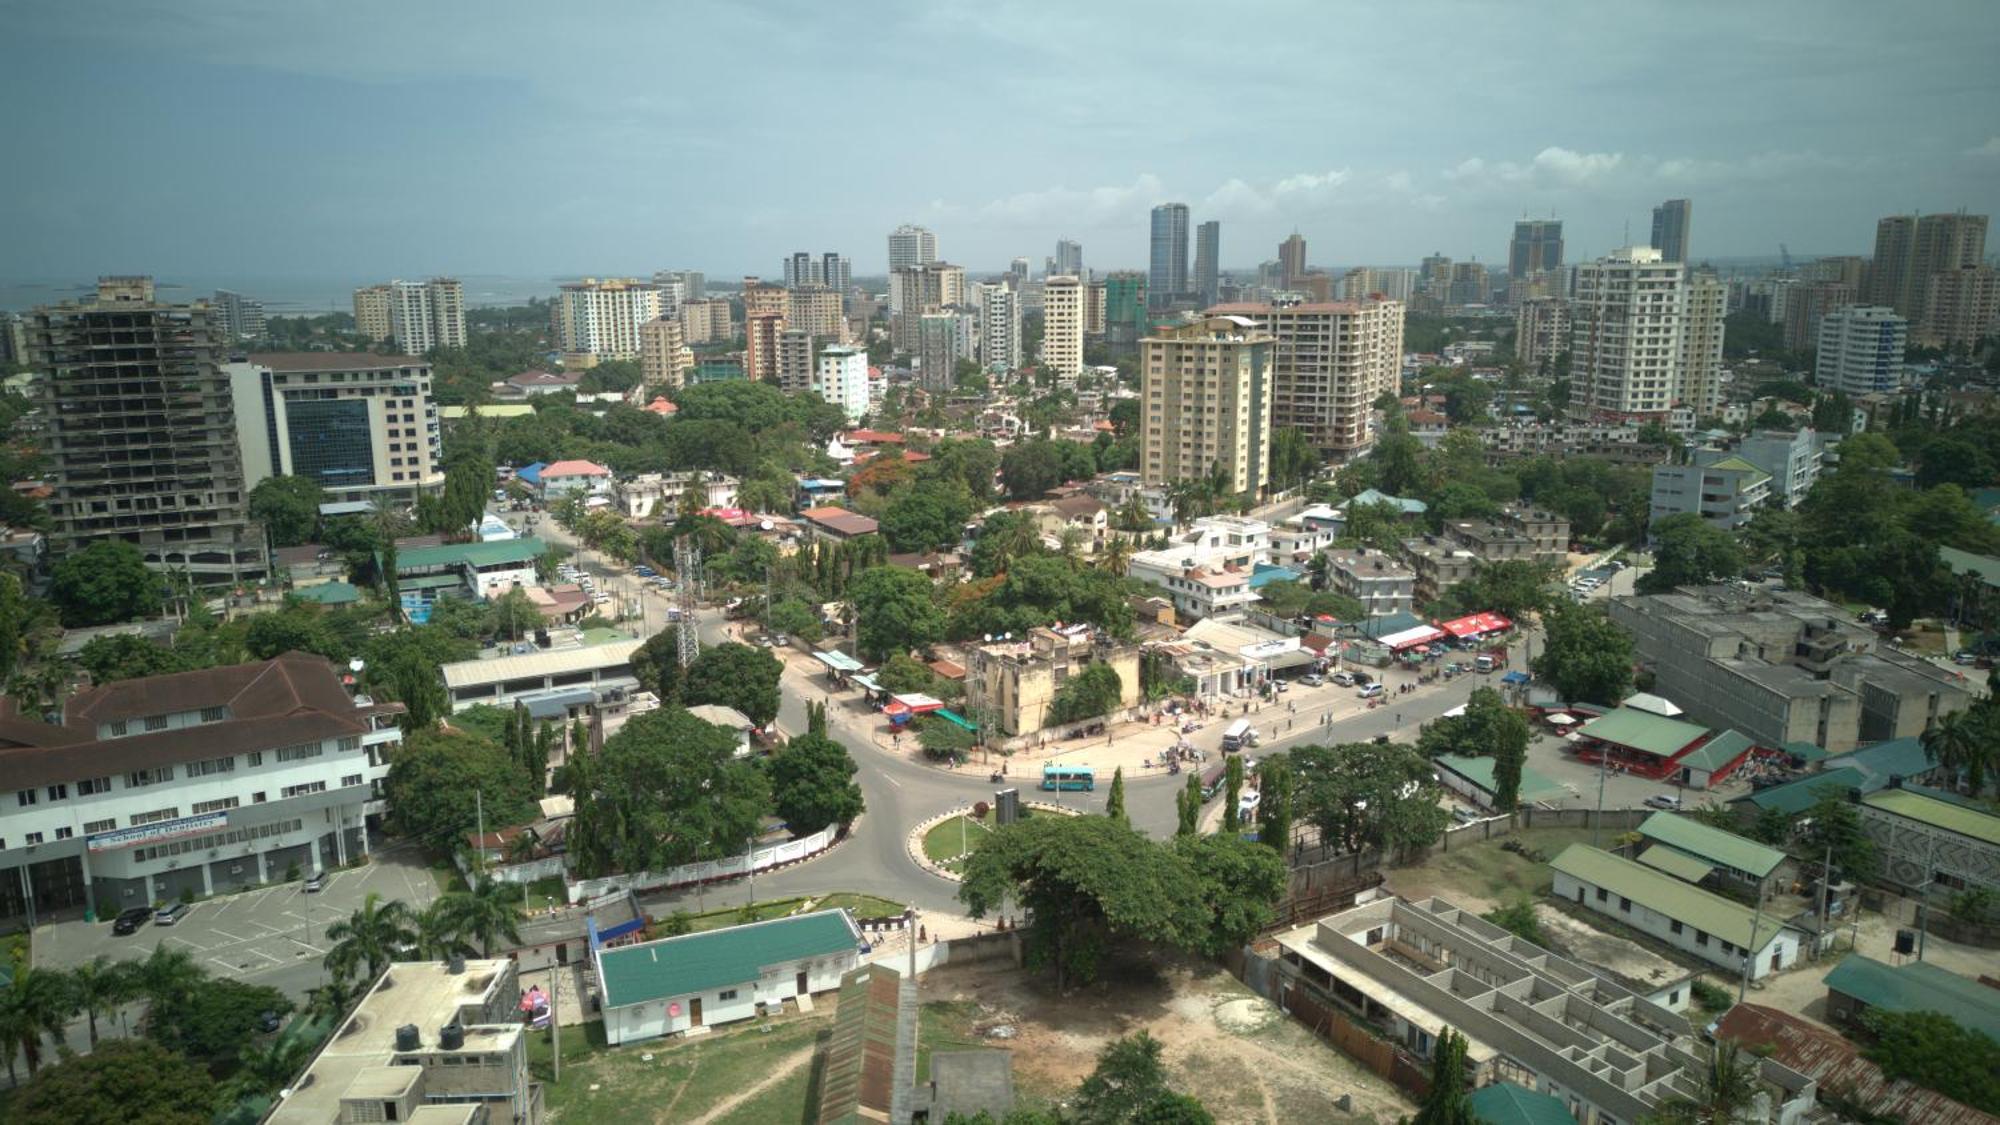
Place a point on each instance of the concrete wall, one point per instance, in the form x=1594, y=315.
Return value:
x=1785, y=943
x=791, y=851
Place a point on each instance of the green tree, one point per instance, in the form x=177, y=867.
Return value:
x=1232, y=795
x=903, y=674
x=218, y=1021
x=1129, y=1085
x=1082, y=882
x=1114, y=802
x=1964, y=743
x=1518, y=918
x=1004, y=537
x=1094, y=692
x=657, y=664
x=168, y=979
x=927, y=517
x=1293, y=459
x=433, y=779
x=735, y=675
x=1446, y=1103
x=100, y=986
x=1188, y=804
x=895, y=610
x=1729, y=1091
x=945, y=741
x=288, y=507
x=34, y=1008
x=488, y=913
x=667, y=789
x=1274, y=803
x=126, y=656
x=1690, y=551
x=1240, y=883
x=103, y=584
x=121, y=1080
x=1585, y=656
x=1030, y=468
x=1833, y=823
x=268, y=1069
x=1363, y=795
x=436, y=934
x=364, y=942
x=812, y=784
x=795, y=618
x=1938, y=1053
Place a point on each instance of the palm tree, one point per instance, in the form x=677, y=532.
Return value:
x=440, y=932
x=167, y=979
x=103, y=986
x=1957, y=742
x=370, y=937
x=489, y=912
x=264, y=1070
x=1728, y=1089
x=1117, y=555
x=330, y=1000
x=39, y=1003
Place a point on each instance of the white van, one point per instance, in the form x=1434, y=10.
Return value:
x=1238, y=736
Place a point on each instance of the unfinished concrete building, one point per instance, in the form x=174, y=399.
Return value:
x=1389, y=976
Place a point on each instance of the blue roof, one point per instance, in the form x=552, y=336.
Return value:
x=1264, y=574
x=1409, y=507
x=531, y=473
x=1900, y=757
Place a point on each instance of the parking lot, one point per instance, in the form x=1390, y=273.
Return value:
x=272, y=935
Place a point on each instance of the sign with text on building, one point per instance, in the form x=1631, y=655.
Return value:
x=154, y=833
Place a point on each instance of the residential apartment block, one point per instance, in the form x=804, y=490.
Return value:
x=1379, y=581
x=1541, y=332
x=1645, y=338
x=1910, y=249
x=841, y=378
x=416, y=316
x=1015, y=682
x=707, y=322
x=603, y=318
x=1206, y=569
x=999, y=329
x=139, y=431
x=1723, y=489
x=1330, y=362
x=1783, y=667
x=1062, y=325
x=1206, y=404
x=1961, y=307
x=242, y=317
x=197, y=782
x=1861, y=350
x=664, y=357
x=364, y=427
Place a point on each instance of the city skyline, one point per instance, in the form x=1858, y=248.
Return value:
x=352, y=181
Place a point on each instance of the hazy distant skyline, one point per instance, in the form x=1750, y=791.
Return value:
x=364, y=138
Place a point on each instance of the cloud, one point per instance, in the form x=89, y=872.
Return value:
x=1758, y=167
x=1554, y=166
x=1990, y=148
x=1075, y=208
x=1238, y=199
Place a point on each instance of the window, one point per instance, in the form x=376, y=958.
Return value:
x=64, y=833
x=25, y=797
x=1625, y=904
x=34, y=838
x=1603, y=895
x=256, y=798
x=1700, y=938
x=350, y=742
x=1675, y=927
x=214, y=806
x=91, y=786
x=155, y=816
x=303, y=790
x=300, y=752
x=212, y=766
x=139, y=779
x=156, y=722
x=118, y=729
x=214, y=714
x=256, y=758
x=729, y=994
x=93, y=827
x=350, y=781
x=1728, y=948
x=58, y=792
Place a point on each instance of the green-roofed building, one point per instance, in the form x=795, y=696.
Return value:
x=482, y=570
x=1708, y=764
x=1662, y=906
x=668, y=986
x=1474, y=778
x=1795, y=797
x=1932, y=839
x=329, y=593
x=1859, y=983
x=1641, y=741
x=1504, y=1103
x=1745, y=862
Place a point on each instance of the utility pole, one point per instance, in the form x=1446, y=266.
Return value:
x=479, y=841
x=1825, y=877
x=1597, y=826
x=555, y=1026
x=1750, y=954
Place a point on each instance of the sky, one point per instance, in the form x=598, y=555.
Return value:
x=363, y=138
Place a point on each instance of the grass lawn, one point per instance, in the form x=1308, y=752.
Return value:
x=686, y=1078
x=954, y=837
x=861, y=906
x=1486, y=872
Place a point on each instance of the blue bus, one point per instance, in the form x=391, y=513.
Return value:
x=1056, y=777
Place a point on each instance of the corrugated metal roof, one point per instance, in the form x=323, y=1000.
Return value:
x=1717, y=752
x=860, y=1070
x=1837, y=1065
x=1937, y=814
x=1723, y=849
x=1918, y=986
x=474, y=554
x=1479, y=771
x=1689, y=905
x=682, y=966
x=1504, y=1103
x=1647, y=733
x=1678, y=864
x=1795, y=797
x=467, y=673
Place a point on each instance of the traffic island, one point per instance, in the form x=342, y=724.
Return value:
x=941, y=843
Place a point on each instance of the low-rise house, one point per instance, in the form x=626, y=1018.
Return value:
x=530, y=384
x=1379, y=581
x=1473, y=777
x=1014, y=682
x=1718, y=930
x=837, y=524
x=1263, y=653
x=1837, y=1065
x=1931, y=840
x=677, y=984
x=570, y=478
x=1438, y=565
x=729, y=719
x=577, y=677
x=1492, y=541
x=1860, y=983
x=1081, y=514
x=660, y=495
x=1674, y=840
x=478, y=570
x=431, y=1043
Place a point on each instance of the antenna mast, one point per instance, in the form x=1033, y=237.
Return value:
x=687, y=566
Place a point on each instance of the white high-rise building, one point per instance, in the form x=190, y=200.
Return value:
x=1062, y=325
x=417, y=315
x=1330, y=362
x=1068, y=257
x=673, y=286
x=1861, y=350
x=602, y=318
x=1645, y=338
x=999, y=328
x=836, y=272
x=842, y=379
x=242, y=317
x=911, y=246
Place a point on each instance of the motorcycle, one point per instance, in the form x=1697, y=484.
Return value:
x=1174, y=767
x=996, y=777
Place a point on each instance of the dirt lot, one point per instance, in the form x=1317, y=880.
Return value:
x=1233, y=1049
x=1482, y=876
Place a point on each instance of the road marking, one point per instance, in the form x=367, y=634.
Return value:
x=234, y=940
x=228, y=966
x=268, y=929
x=186, y=942
x=265, y=956
x=892, y=781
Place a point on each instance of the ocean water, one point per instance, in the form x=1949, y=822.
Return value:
x=282, y=296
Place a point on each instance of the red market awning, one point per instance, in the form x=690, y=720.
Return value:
x=1475, y=624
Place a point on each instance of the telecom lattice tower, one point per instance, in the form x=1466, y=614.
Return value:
x=687, y=567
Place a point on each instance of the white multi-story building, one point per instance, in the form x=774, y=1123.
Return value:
x=660, y=495
x=242, y=317
x=602, y=318
x=1206, y=569
x=1330, y=361
x=674, y=293
x=1720, y=487
x=911, y=246
x=1062, y=325
x=1861, y=350
x=1378, y=580
x=193, y=783
x=999, y=328
x=364, y=427
x=1636, y=351
x=416, y=315
x=1541, y=331
x=842, y=379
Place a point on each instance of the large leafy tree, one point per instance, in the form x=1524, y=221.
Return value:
x=657, y=664
x=1129, y=1087
x=1832, y=823
x=1084, y=882
x=105, y=583
x=735, y=675
x=1585, y=656
x=433, y=780
x=1967, y=744
x=121, y=1080
x=666, y=790
x=1368, y=795
x=1240, y=883
x=288, y=507
x=488, y=913
x=1488, y=729
x=1090, y=694
x=220, y=1019
x=1030, y=468
x=1937, y=1052
x=1004, y=537
x=895, y=610
x=812, y=784
x=34, y=1009
x=1690, y=551
x=1293, y=458
x=928, y=516
x=125, y=656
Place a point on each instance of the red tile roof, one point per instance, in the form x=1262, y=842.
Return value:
x=575, y=469
x=873, y=437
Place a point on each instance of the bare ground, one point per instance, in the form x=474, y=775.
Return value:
x=1247, y=1061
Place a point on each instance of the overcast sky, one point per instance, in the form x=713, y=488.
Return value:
x=402, y=137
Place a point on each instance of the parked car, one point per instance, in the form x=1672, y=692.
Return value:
x=1371, y=691
x=1464, y=815
x=1965, y=656
x=1344, y=679
x=129, y=920
x=169, y=914
x=1662, y=801
x=1247, y=802
x=1282, y=685
x=269, y=1021
x=315, y=884
x=1312, y=679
